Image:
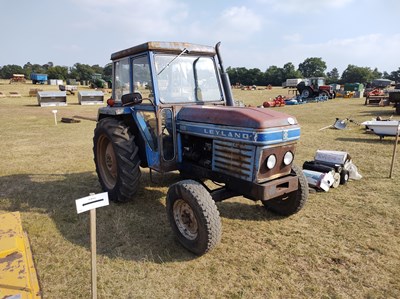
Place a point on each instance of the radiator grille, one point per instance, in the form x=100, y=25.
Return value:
x=235, y=159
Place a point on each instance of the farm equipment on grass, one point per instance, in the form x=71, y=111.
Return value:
x=279, y=101
x=18, y=78
x=314, y=87
x=394, y=97
x=182, y=117
x=38, y=78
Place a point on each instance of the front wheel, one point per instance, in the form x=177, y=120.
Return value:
x=325, y=94
x=193, y=216
x=293, y=202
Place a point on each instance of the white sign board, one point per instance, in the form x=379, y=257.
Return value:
x=91, y=202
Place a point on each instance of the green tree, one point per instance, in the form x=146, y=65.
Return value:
x=81, y=71
x=8, y=70
x=395, y=76
x=356, y=74
x=107, y=72
x=37, y=68
x=376, y=74
x=255, y=77
x=332, y=76
x=27, y=69
x=274, y=76
x=237, y=75
x=289, y=72
x=57, y=72
x=97, y=69
x=313, y=67
x=46, y=66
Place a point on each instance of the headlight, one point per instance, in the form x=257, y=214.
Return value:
x=271, y=161
x=288, y=158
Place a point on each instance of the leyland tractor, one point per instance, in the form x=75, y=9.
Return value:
x=172, y=109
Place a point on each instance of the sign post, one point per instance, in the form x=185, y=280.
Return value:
x=91, y=203
x=394, y=150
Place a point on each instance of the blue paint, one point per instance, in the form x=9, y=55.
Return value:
x=265, y=137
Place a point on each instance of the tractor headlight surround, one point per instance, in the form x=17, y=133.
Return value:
x=288, y=158
x=271, y=161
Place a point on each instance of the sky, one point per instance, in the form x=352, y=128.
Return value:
x=253, y=33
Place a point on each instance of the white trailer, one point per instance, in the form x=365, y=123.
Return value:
x=291, y=83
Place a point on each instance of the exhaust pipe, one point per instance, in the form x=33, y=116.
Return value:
x=226, y=84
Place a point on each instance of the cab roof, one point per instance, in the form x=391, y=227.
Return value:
x=165, y=47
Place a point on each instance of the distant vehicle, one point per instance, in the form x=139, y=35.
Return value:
x=291, y=83
x=381, y=83
x=315, y=86
x=97, y=81
x=18, y=78
x=38, y=78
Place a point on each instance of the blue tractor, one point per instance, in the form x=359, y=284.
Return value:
x=172, y=109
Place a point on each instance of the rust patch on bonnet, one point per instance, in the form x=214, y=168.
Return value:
x=9, y=259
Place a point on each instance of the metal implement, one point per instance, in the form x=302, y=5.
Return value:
x=52, y=98
x=18, y=278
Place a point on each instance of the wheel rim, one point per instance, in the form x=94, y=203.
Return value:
x=107, y=162
x=306, y=93
x=185, y=219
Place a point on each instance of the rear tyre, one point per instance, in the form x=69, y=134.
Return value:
x=293, y=202
x=193, y=216
x=116, y=158
x=306, y=93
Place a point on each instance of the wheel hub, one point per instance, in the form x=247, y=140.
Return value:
x=185, y=219
x=107, y=162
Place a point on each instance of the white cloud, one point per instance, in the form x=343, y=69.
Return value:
x=240, y=19
x=296, y=37
x=237, y=24
x=366, y=50
x=143, y=20
x=304, y=6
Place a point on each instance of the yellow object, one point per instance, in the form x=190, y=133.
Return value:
x=349, y=94
x=18, y=278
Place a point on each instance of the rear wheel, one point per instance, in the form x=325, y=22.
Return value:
x=116, y=158
x=293, y=202
x=306, y=93
x=193, y=216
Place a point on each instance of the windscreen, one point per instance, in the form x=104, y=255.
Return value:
x=187, y=79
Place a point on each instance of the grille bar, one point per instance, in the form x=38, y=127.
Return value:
x=235, y=159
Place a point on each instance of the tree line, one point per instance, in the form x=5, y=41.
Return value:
x=274, y=75
x=310, y=67
x=78, y=71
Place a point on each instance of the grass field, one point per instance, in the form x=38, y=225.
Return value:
x=343, y=244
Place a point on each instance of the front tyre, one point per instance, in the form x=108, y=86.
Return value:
x=193, y=216
x=293, y=202
x=116, y=158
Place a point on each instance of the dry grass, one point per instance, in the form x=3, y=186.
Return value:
x=343, y=244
